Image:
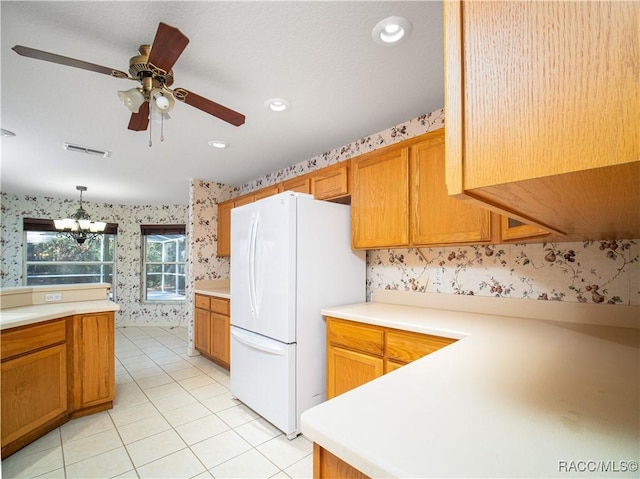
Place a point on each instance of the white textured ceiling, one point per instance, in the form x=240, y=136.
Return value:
x=317, y=55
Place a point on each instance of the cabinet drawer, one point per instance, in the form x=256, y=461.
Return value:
x=367, y=339
x=32, y=337
x=220, y=305
x=202, y=301
x=405, y=346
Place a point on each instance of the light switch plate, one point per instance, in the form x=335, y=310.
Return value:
x=48, y=297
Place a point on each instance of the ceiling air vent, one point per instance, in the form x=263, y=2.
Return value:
x=86, y=150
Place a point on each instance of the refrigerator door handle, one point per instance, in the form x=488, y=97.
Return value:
x=253, y=234
x=257, y=343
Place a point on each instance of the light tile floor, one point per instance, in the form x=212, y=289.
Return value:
x=173, y=417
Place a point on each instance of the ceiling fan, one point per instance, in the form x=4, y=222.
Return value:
x=152, y=68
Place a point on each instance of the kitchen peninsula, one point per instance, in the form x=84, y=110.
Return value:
x=57, y=358
x=519, y=392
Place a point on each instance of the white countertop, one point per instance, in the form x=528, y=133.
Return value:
x=512, y=398
x=13, y=317
x=222, y=292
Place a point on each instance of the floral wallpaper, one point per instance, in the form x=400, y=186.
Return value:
x=128, y=249
x=606, y=272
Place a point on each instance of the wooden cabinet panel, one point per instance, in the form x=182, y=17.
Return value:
x=380, y=199
x=94, y=362
x=355, y=336
x=202, y=301
x=329, y=466
x=224, y=228
x=298, y=184
x=330, y=182
x=265, y=192
x=220, y=329
x=220, y=305
x=202, y=330
x=212, y=328
x=244, y=200
x=543, y=126
x=348, y=369
x=29, y=338
x=436, y=217
x=512, y=229
x=358, y=353
x=34, y=392
x=405, y=346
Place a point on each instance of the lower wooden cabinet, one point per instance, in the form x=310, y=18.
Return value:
x=212, y=327
x=53, y=371
x=358, y=353
x=93, y=363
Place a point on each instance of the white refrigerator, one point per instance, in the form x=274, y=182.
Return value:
x=290, y=256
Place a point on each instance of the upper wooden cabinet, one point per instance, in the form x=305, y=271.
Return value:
x=543, y=112
x=299, y=184
x=267, y=191
x=224, y=228
x=380, y=199
x=331, y=182
x=400, y=198
x=437, y=218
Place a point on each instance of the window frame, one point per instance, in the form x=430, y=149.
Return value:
x=161, y=230
x=38, y=225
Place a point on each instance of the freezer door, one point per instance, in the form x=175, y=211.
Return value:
x=263, y=377
x=263, y=265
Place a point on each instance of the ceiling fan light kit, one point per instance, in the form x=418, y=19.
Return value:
x=152, y=68
x=132, y=99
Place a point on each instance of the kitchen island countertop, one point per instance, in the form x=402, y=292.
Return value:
x=512, y=397
x=21, y=316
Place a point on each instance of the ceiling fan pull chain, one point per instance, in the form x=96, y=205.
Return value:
x=150, y=128
x=161, y=126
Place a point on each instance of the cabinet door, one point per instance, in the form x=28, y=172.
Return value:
x=220, y=337
x=94, y=367
x=299, y=185
x=380, y=199
x=330, y=182
x=348, y=369
x=202, y=331
x=512, y=229
x=34, y=391
x=266, y=192
x=436, y=217
x=224, y=228
x=244, y=200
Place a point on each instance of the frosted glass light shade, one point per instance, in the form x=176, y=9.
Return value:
x=132, y=99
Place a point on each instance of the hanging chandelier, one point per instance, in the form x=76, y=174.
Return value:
x=79, y=226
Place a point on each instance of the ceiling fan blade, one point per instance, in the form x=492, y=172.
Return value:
x=70, y=62
x=209, y=106
x=140, y=121
x=168, y=45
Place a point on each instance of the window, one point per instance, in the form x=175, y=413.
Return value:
x=164, y=251
x=52, y=259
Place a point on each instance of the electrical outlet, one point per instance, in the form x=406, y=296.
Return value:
x=437, y=280
x=48, y=297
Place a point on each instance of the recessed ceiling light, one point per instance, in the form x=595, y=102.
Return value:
x=4, y=132
x=391, y=31
x=219, y=144
x=277, y=104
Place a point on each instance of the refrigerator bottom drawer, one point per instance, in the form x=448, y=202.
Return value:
x=263, y=376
